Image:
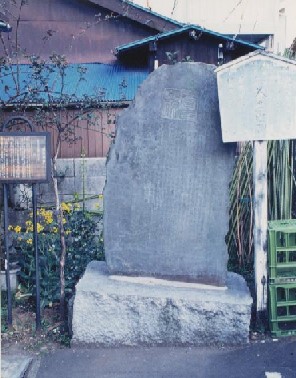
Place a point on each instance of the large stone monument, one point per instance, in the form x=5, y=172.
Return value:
x=165, y=279
x=167, y=183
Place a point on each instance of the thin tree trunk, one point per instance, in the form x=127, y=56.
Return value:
x=59, y=213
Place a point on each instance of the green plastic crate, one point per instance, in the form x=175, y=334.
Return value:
x=282, y=279
x=282, y=264
x=279, y=328
x=282, y=251
x=282, y=233
x=282, y=309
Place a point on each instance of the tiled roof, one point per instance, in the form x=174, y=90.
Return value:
x=186, y=28
x=104, y=82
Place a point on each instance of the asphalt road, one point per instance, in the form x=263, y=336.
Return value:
x=271, y=359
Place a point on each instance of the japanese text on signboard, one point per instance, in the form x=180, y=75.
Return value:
x=24, y=157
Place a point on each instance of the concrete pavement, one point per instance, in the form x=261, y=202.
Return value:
x=271, y=359
x=268, y=359
x=14, y=366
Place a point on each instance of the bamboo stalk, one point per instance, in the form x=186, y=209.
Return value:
x=281, y=197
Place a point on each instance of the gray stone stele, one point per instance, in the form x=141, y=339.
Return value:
x=166, y=194
x=111, y=312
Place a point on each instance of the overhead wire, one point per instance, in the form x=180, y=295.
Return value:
x=174, y=7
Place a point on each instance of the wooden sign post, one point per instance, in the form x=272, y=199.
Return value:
x=24, y=158
x=260, y=222
x=257, y=103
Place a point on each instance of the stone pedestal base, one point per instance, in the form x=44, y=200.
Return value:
x=119, y=310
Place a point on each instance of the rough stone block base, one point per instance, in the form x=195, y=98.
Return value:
x=119, y=310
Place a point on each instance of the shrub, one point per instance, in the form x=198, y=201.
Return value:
x=83, y=240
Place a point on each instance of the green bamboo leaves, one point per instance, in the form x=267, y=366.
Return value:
x=281, y=188
x=281, y=198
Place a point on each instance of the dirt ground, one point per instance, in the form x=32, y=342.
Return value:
x=22, y=337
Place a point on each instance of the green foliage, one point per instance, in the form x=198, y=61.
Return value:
x=282, y=182
x=84, y=244
x=240, y=237
x=281, y=199
x=49, y=267
x=4, y=311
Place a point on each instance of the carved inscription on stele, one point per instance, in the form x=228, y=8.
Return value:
x=178, y=104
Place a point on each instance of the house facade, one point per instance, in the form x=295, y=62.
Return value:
x=110, y=46
x=190, y=42
x=83, y=31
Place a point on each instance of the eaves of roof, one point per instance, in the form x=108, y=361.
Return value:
x=253, y=38
x=141, y=42
x=90, y=81
x=135, y=11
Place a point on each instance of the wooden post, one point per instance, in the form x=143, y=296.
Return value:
x=260, y=226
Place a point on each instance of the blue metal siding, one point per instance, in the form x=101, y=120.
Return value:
x=99, y=82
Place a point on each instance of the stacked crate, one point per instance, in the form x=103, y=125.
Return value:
x=282, y=277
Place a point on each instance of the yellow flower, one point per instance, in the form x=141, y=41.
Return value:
x=47, y=215
x=29, y=241
x=40, y=228
x=17, y=229
x=55, y=230
x=65, y=207
x=64, y=220
x=48, y=218
x=67, y=232
x=29, y=225
x=10, y=228
x=101, y=196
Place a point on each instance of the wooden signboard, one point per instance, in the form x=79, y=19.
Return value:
x=24, y=157
x=257, y=99
x=257, y=96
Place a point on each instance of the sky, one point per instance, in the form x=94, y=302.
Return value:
x=230, y=16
